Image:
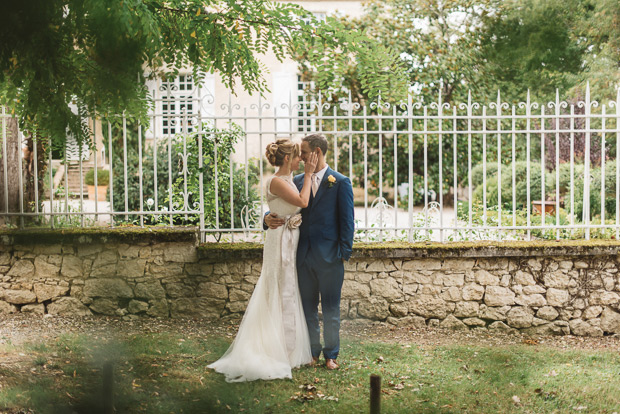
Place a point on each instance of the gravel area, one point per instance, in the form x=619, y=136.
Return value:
x=17, y=329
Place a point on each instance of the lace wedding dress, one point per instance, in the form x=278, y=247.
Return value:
x=273, y=336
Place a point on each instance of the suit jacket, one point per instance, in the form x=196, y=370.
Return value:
x=328, y=224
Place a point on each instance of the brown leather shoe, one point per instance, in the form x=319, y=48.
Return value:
x=331, y=364
x=315, y=360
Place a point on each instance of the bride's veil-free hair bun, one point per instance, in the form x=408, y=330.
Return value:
x=276, y=151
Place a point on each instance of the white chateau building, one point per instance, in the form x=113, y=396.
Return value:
x=213, y=99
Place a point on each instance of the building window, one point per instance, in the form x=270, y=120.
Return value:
x=178, y=105
x=305, y=106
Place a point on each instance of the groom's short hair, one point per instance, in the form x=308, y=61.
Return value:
x=316, y=141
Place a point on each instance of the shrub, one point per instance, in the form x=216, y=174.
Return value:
x=103, y=177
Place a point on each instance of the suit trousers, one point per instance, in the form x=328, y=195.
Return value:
x=319, y=278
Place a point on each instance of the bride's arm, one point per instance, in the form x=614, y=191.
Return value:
x=283, y=190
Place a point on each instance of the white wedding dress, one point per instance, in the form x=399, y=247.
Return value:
x=273, y=336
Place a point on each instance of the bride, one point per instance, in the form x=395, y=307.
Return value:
x=273, y=336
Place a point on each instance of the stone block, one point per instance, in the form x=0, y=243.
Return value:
x=459, y=265
x=429, y=290
x=350, y=266
x=410, y=289
x=592, y=312
x=557, y=297
x=429, y=306
x=202, y=269
x=486, y=279
x=181, y=253
x=535, y=300
x=581, y=265
x=126, y=251
x=603, y=297
x=181, y=290
x=450, y=322
x=71, y=267
x=159, y=308
x=19, y=297
x=355, y=290
x=525, y=279
x=43, y=269
x=89, y=249
x=104, y=306
x=520, y=317
x=467, y=309
x=374, y=308
x=452, y=294
x=6, y=308
x=131, y=268
x=37, y=309
x=165, y=270
x=473, y=292
x=493, y=313
x=212, y=290
x=580, y=327
x=422, y=264
x=236, y=295
x=22, y=269
x=547, y=313
x=68, y=306
x=197, y=307
x=559, y=280
x=610, y=321
x=5, y=259
x=150, y=290
x=387, y=288
x=415, y=322
x=533, y=290
x=474, y=322
x=505, y=280
x=137, y=306
x=107, y=288
x=363, y=277
x=454, y=279
x=399, y=309
x=498, y=296
x=46, y=292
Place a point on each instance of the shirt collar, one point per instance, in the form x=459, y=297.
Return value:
x=321, y=173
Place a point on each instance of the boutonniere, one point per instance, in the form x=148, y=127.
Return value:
x=332, y=180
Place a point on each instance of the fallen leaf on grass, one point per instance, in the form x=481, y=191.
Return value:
x=580, y=408
x=516, y=400
x=551, y=373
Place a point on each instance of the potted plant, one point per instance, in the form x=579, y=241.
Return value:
x=103, y=179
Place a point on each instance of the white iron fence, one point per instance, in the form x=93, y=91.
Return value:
x=420, y=172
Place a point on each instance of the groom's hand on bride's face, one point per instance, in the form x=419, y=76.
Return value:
x=273, y=221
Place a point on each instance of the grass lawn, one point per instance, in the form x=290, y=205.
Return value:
x=164, y=372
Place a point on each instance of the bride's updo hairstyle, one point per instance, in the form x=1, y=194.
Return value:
x=276, y=151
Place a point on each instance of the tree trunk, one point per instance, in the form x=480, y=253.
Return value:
x=9, y=197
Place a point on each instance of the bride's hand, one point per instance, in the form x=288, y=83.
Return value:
x=310, y=163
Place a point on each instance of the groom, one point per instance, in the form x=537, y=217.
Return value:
x=325, y=242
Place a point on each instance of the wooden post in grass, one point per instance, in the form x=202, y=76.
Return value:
x=375, y=394
x=108, y=388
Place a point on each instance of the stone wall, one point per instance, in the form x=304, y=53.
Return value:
x=547, y=288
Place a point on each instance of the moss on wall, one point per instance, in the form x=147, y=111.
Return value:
x=99, y=235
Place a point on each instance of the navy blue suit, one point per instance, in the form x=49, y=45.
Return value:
x=325, y=240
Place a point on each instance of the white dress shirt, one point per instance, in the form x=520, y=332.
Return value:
x=320, y=176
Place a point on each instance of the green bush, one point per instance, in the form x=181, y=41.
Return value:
x=103, y=177
x=595, y=193
x=521, y=186
x=477, y=173
x=175, y=180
